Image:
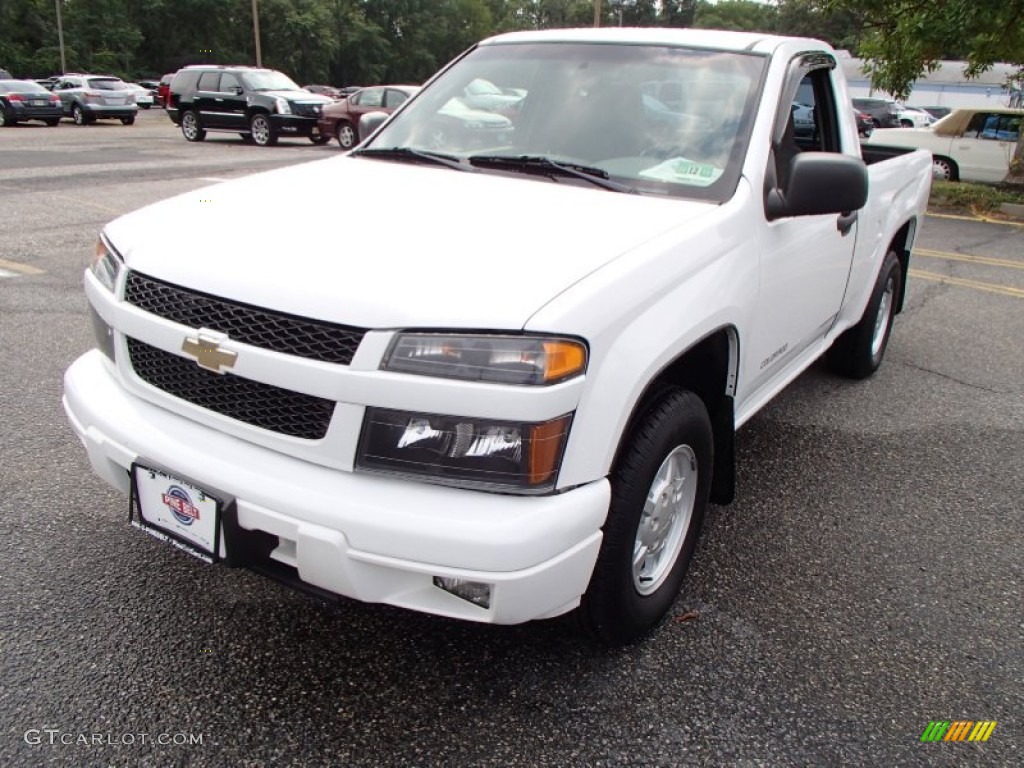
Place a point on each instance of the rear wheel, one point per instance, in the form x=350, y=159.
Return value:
x=190, y=127
x=262, y=130
x=128, y=120
x=319, y=139
x=345, y=134
x=4, y=120
x=659, y=494
x=858, y=352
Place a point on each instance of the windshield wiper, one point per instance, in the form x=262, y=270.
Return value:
x=545, y=165
x=407, y=153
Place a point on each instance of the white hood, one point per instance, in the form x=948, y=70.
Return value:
x=383, y=244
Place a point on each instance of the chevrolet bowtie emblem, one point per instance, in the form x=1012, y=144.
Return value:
x=207, y=352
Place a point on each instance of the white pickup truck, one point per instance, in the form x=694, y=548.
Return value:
x=510, y=388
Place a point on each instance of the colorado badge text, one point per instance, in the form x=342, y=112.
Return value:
x=959, y=730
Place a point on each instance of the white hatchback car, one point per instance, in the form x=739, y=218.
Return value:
x=966, y=145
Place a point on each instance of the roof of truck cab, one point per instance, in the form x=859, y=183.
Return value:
x=689, y=38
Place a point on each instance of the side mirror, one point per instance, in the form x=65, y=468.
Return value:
x=237, y=90
x=370, y=122
x=820, y=183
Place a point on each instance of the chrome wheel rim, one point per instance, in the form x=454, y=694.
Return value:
x=78, y=115
x=346, y=136
x=189, y=126
x=941, y=170
x=260, y=130
x=668, y=510
x=883, y=317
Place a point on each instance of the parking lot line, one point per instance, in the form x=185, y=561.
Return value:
x=1005, y=290
x=12, y=268
x=968, y=258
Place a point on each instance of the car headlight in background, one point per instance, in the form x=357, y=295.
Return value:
x=517, y=457
x=105, y=264
x=532, y=360
x=282, y=106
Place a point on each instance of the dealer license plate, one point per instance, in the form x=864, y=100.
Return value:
x=176, y=511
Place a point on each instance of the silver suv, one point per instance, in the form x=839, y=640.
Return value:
x=88, y=97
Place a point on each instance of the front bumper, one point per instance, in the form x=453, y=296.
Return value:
x=295, y=125
x=371, y=538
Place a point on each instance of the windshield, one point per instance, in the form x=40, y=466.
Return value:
x=269, y=81
x=659, y=120
x=106, y=84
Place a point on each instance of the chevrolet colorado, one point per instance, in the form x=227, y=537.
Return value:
x=510, y=389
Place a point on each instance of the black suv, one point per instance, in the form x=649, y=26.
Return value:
x=884, y=112
x=260, y=105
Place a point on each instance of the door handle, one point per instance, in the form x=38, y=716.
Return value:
x=845, y=222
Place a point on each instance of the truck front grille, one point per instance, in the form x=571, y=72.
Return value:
x=307, y=110
x=277, y=331
x=262, y=405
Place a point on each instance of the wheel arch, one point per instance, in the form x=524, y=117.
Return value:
x=901, y=243
x=709, y=369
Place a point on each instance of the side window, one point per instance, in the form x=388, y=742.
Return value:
x=372, y=97
x=977, y=125
x=208, y=81
x=228, y=83
x=393, y=99
x=813, y=113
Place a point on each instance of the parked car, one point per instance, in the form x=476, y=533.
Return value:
x=48, y=82
x=86, y=98
x=324, y=90
x=966, y=145
x=341, y=119
x=5, y=75
x=163, y=89
x=22, y=100
x=260, y=105
x=483, y=94
x=884, y=112
x=513, y=390
x=143, y=96
x=914, y=118
x=803, y=120
x=937, y=112
x=865, y=125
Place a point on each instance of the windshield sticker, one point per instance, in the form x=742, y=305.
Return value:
x=682, y=171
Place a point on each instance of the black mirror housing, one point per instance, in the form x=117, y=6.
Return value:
x=820, y=183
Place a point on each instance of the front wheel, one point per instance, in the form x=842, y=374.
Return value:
x=659, y=494
x=262, y=130
x=78, y=115
x=53, y=121
x=190, y=127
x=320, y=139
x=858, y=352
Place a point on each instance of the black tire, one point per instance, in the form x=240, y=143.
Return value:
x=635, y=583
x=53, y=121
x=346, y=135
x=128, y=120
x=263, y=133
x=145, y=106
x=5, y=120
x=246, y=137
x=78, y=115
x=320, y=140
x=944, y=169
x=190, y=127
x=858, y=352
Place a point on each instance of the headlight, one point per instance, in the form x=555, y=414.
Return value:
x=471, y=453
x=282, y=105
x=105, y=264
x=499, y=359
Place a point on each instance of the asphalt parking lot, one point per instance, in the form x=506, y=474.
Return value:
x=866, y=581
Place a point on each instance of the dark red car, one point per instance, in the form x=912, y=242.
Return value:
x=341, y=119
x=163, y=89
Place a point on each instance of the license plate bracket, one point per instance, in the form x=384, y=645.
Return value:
x=176, y=510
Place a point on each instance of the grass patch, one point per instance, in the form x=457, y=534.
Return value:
x=977, y=199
